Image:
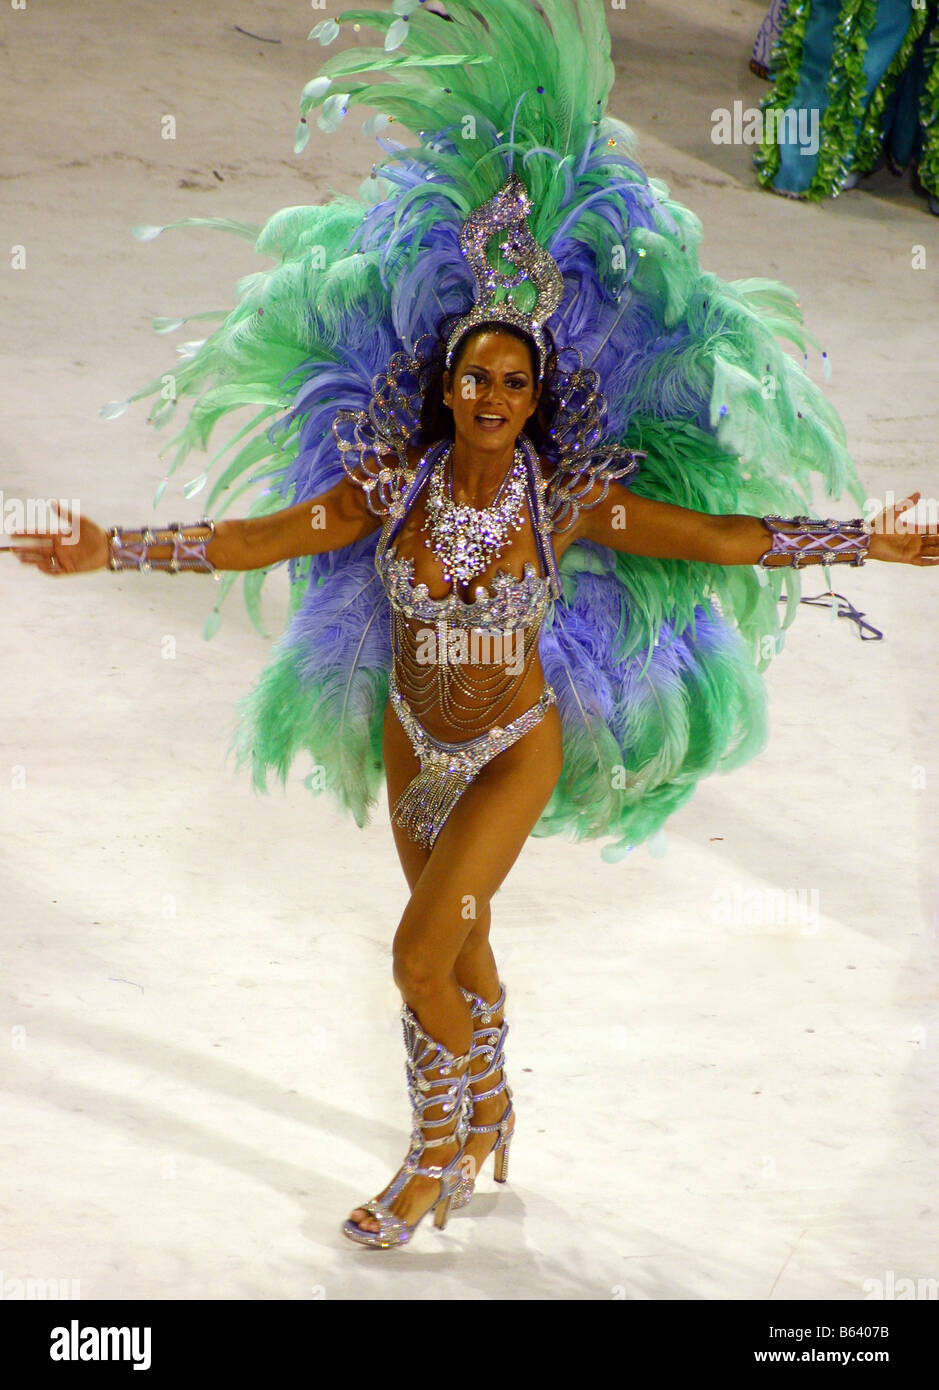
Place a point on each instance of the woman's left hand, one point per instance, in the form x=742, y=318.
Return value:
x=896, y=539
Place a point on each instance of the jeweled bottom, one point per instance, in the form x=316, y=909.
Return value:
x=447, y=769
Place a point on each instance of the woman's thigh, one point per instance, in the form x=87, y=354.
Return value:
x=401, y=766
x=478, y=844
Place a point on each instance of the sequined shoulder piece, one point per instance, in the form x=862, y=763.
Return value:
x=572, y=484
x=585, y=466
x=366, y=438
x=376, y=463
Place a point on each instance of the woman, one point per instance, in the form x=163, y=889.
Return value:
x=476, y=495
x=443, y=962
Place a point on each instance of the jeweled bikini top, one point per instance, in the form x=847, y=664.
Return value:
x=507, y=602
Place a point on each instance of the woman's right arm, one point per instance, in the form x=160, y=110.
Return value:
x=329, y=521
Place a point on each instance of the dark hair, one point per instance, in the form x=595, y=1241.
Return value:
x=436, y=419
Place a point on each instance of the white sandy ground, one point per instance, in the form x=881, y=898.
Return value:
x=202, y=1070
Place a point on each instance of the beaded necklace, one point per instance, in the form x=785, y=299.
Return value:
x=467, y=539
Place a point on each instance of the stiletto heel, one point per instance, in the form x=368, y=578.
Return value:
x=424, y=1054
x=489, y=1043
x=502, y=1159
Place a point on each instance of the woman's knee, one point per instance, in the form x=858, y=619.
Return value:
x=420, y=965
x=418, y=976
x=427, y=944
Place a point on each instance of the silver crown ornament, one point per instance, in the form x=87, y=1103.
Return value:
x=508, y=212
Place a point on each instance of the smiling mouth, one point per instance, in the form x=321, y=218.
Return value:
x=491, y=419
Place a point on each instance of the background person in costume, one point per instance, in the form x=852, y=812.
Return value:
x=679, y=361
x=871, y=73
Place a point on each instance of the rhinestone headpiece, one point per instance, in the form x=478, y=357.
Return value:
x=533, y=268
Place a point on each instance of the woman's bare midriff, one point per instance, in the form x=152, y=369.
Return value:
x=483, y=714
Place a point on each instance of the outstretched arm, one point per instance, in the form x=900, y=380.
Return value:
x=335, y=518
x=641, y=526
x=330, y=521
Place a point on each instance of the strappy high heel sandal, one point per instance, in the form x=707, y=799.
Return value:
x=489, y=1043
x=424, y=1055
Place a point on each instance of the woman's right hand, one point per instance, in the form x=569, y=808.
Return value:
x=82, y=547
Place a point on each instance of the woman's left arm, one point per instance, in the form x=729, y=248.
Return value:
x=642, y=526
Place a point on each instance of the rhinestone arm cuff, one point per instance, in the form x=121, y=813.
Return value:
x=805, y=540
x=133, y=552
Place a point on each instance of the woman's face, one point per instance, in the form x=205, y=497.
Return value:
x=492, y=377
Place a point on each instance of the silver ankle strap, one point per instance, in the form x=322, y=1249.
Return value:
x=482, y=1010
x=425, y=1054
x=495, y=1059
x=493, y=1053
